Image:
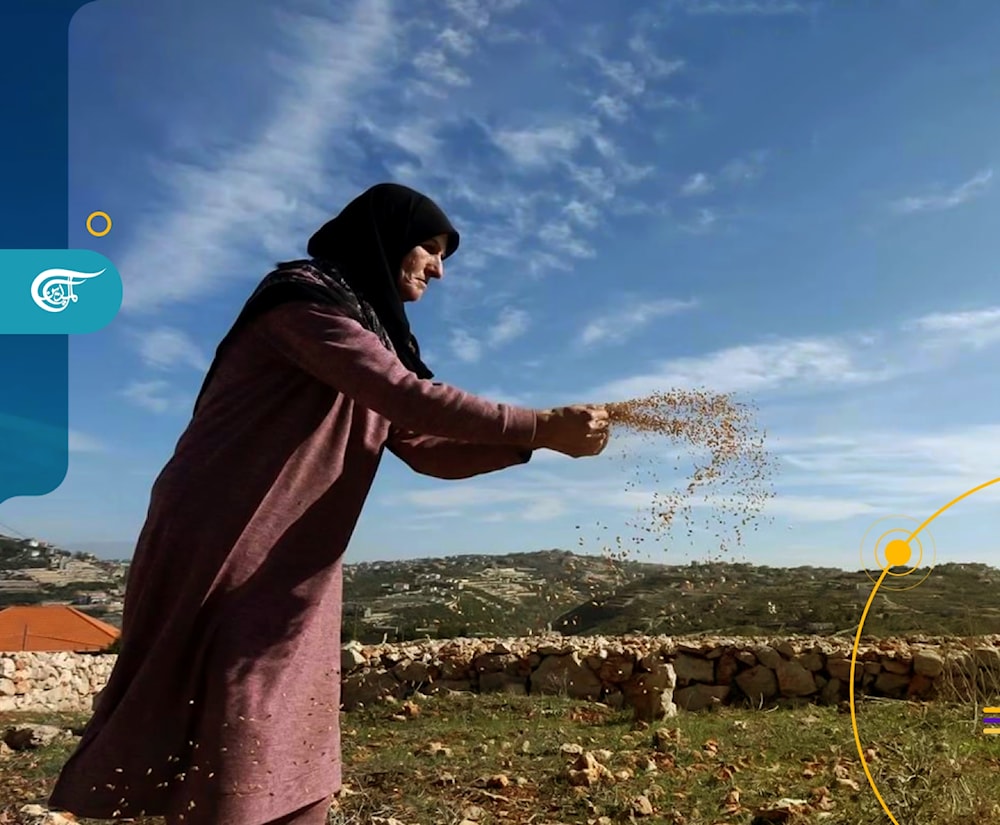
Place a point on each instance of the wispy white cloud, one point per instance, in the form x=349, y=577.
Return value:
x=561, y=237
x=624, y=76
x=542, y=145
x=735, y=8
x=617, y=325
x=157, y=396
x=613, y=108
x=512, y=323
x=465, y=347
x=457, y=41
x=698, y=184
x=274, y=181
x=82, y=443
x=821, y=479
x=738, y=171
x=974, y=328
x=435, y=66
x=702, y=222
x=167, y=347
x=849, y=360
x=630, y=83
x=786, y=505
x=621, y=168
x=818, y=508
x=505, y=210
x=418, y=138
x=502, y=215
x=552, y=494
x=503, y=396
x=585, y=214
x=744, y=169
x=974, y=187
x=911, y=470
x=533, y=505
x=756, y=368
x=490, y=182
x=473, y=13
x=544, y=509
x=469, y=24
x=650, y=61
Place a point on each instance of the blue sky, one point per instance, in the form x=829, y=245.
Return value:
x=791, y=201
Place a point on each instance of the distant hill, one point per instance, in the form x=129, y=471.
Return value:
x=521, y=593
x=742, y=599
x=579, y=595
x=469, y=595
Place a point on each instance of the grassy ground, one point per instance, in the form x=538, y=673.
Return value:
x=500, y=760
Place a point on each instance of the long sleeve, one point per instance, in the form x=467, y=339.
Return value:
x=343, y=354
x=448, y=458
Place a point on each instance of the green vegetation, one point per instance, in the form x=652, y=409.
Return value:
x=521, y=593
x=742, y=599
x=507, y=595
x=585, y=595
x=504, y=757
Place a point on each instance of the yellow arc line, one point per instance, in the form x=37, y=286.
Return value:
x=857, y=642
x=854, y=716
x=966, y=494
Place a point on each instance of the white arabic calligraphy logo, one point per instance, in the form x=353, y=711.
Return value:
x=52, y=290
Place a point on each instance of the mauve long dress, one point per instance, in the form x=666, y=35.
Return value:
x=223, y=704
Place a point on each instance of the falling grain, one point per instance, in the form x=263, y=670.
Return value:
x=731, y=469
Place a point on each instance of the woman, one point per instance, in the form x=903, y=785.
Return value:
x=223, y=704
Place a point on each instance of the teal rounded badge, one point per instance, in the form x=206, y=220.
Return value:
x=57, y=291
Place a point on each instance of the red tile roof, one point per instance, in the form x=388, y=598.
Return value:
x=53, y=627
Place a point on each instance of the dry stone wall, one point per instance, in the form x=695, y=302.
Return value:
x=626, y=671
x=52, y=681
x=653, y=675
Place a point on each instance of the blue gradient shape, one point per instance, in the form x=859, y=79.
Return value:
x=34, y=369
x=57, y=291
x=34, y=436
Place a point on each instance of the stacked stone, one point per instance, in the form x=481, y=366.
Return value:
x=52, y=681
x=698, y=674
x=654, y=675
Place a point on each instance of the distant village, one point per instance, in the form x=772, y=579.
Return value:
x=36, y=572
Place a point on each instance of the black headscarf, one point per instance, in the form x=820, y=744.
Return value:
x=355, y=264
x=367, y=242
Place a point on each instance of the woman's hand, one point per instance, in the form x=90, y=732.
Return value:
x=576, y=431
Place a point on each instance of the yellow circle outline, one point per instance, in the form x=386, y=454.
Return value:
x=90, y=224
x=861, y=625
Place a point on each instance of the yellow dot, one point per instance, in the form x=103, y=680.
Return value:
x=897, y=552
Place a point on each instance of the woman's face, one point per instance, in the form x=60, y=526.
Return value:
x=421, y=263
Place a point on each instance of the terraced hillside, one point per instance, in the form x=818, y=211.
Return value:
x=472, y=595
x=743, y=599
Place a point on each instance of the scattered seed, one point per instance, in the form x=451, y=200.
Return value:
x=733, y=481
